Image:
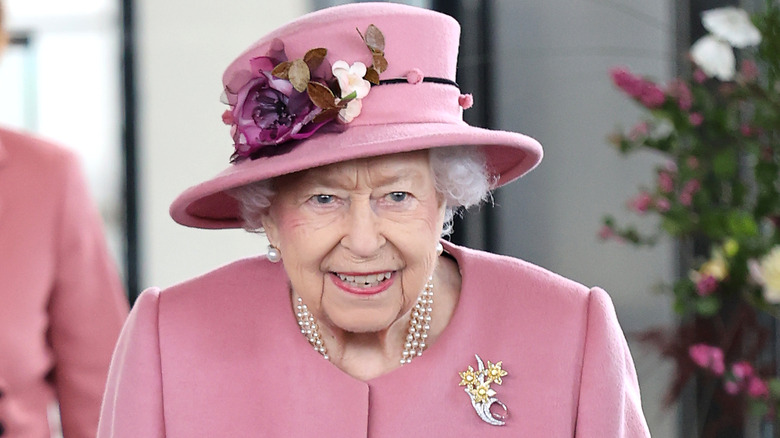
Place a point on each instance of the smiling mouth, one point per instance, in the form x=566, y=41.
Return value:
x=365, y=281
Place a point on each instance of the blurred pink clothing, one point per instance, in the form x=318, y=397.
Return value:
x=221, y=355
x=61, y=301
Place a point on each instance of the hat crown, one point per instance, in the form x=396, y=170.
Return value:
x=415, y=38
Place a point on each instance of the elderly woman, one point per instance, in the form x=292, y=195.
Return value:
x=351, y=156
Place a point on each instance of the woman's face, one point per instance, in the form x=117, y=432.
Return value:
x=358, y=238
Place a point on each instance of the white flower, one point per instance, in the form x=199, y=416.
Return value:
x=732, y=25
x=351, y=81
x=351, y=78
x=351, y=111
x=715, y=57
x=661, y=130
x=767, y=273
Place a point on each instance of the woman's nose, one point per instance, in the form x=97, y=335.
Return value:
x=363, y=236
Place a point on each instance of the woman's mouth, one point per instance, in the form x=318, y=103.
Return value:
x=365, y=284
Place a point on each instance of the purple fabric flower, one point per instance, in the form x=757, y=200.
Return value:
x=269, y=111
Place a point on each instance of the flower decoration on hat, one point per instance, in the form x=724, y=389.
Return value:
x=280, y=100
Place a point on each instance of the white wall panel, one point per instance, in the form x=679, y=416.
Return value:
x=552, y=60
x=183, y=48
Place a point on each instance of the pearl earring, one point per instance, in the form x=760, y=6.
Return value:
x=439, y=248
x=274, y=255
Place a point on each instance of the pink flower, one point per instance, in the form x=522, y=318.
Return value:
x=748, y=70
x=652, y=96
x=626, y=81
x=680, y=90
x=742, y=370
x=696, y=119
x=746, y=130
x=693, y=163
x=731, y=387
x=662, y=205
x=757, y=388
x=706, y=285
x=638, y=131
x=692, y=186
x=708, y=357
x=641, y=203
x=717, y=366
x=665, y=181
x=689, y=189
x=606, y=232
x=699, y=76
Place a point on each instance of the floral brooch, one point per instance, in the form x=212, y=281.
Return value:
x=281, y=100
x=478, y=388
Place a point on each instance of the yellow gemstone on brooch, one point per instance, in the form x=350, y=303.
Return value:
x=468, y=377
x=494, y=372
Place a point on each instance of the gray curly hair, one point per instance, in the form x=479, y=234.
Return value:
x=460, y=176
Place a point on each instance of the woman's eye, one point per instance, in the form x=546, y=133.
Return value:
x=398, y=196
x=324, y=199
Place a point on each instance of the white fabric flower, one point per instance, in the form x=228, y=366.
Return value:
x=351, y=78
x=352, y=110
x=732, y=25
x=767, y=274
x=715, y=57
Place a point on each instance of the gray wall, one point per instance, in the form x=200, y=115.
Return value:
x=552, y=62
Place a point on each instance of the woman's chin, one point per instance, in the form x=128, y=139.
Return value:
x=363, y=322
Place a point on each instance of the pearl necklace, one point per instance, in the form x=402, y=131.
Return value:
x=416, y=338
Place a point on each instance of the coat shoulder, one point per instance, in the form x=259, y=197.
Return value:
x=495, y=274
x=245, y=276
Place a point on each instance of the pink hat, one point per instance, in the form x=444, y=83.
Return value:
x=318, y=107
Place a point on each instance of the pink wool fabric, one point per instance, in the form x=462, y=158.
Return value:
x=62, y=301
x=395, y=117
x=221, y=355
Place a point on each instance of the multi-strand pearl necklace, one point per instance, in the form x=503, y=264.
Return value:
x=416, y=337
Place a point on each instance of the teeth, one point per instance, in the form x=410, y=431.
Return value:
x=366, y=280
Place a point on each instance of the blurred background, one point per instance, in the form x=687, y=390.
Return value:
x=134, y=87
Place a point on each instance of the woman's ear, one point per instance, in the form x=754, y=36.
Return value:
x=270, y=228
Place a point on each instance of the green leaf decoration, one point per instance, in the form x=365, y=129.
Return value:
x=348, y=97
x=314, y=57
x=321, y=95
x=299, y=75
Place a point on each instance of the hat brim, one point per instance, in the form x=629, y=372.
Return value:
x=207, y=205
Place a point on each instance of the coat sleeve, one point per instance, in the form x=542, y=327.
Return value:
x=133, y=402
x=87, y=305
x=609, y=402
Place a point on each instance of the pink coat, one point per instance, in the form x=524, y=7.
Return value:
x=61, y=301
x=221, y=355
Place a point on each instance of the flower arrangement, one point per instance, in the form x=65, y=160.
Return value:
x=718, y=194
x=278, y=100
